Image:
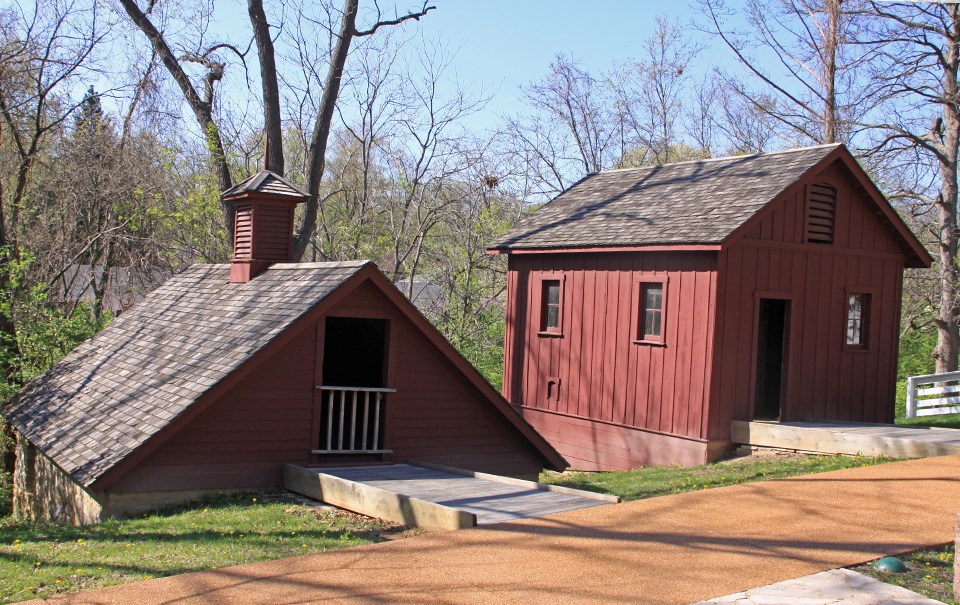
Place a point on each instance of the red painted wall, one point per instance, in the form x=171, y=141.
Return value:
x=825, y=379
x=603, y=374
x=244, y=438
x=687, y=392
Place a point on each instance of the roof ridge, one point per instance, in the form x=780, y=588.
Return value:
x=721, y=159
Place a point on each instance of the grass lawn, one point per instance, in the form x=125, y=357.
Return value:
x=660, y=481
x=930, y=573
x=947, y=421
x=40, y=560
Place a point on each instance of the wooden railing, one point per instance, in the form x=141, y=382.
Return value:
x=942, y=397
x=351, y=420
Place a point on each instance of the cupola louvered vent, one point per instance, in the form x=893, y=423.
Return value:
x=821, y=213
x=243, y=232
x=273, y=232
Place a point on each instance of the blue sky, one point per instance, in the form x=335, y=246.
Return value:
x=506, y=44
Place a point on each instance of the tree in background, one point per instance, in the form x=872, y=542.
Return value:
x=214, y=64
x=812, y=91
x=916, y=139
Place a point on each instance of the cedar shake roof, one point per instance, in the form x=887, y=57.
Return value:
x=699, y=202
x=118, y=389
x=265, y=182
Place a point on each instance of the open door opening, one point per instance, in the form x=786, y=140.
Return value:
x=773, y=323
x=353, y=395
x=354, y=352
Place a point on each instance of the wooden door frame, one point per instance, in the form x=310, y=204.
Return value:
x=789, y=331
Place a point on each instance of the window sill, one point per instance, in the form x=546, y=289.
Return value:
x=550, y=334
x=651, y=343
x=856, y=349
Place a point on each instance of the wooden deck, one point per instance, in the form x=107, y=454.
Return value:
x=484, y=497
x=849, y=438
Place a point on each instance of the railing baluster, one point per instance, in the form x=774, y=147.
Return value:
x=343, y=396
x=376, y=421
x=365, y=437
x=330, y=421
x=353, y=422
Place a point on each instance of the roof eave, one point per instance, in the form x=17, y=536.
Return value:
x=686, y=247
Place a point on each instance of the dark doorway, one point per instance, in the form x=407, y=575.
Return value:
x=355, y=352
x=771, y=358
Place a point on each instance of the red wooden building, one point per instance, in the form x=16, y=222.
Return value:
x=647, y=308
x=227, y=372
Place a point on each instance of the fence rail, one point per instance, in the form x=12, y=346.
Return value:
x=351, y=420
x=943, y=397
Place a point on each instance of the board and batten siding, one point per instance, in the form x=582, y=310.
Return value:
x=269, y=418
x=825, y=380
x=605, y=377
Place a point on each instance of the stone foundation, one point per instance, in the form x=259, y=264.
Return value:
x=44, y=492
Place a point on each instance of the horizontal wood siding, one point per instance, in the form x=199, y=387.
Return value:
x=603, y=373
x=244, y=439
x=824, y=378
x=436, y=415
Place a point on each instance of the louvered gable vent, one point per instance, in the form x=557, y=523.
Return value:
x=821, y=213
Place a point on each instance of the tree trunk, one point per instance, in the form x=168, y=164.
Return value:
x=948, y=332
x=830, y=45
x=321, y=130
x=271, y=91
x=202, y=110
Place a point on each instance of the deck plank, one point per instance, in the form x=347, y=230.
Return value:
x=491, y=501
x=850, y=438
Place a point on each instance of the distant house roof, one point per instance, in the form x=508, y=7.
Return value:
x=115, y=391
x=686, y=203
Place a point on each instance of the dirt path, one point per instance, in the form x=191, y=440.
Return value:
x=673, y=549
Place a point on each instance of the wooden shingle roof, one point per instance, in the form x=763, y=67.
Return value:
x=115, y=391
x=265, y=182
x=698, y=202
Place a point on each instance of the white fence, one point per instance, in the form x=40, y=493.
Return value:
x=942, y=396
x=351, y=420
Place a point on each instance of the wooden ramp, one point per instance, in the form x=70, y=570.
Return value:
x=825, y=437
x=434, y=496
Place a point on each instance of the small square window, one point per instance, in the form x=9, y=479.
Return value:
x=650, y=320
x=858, y=320
x=550, y=306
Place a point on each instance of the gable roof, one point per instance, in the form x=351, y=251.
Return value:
x=117, y=391
x=687, y=203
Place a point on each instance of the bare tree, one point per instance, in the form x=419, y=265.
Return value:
x=652, y=92
x=203, y=107
x=573, y=127
x=915, y=80
x=812, y=88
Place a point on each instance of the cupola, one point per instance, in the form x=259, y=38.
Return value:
x=263, y=207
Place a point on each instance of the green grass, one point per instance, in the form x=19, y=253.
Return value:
x=930, y=573
x=947, y=421
x=41, y=560
x=660, y=481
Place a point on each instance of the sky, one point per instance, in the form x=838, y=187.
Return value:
x=502, y=45
x=498, y=46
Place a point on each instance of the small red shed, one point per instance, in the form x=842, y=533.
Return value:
x=225, y=373
x=649, y=307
